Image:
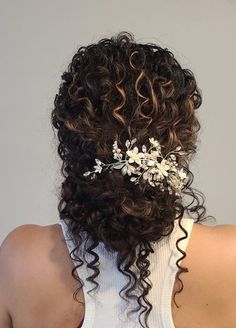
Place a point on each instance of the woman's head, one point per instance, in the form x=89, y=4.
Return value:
x=118, y=89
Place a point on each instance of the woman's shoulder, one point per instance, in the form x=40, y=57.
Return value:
x=218, y=243
x=22, y=242
x=35, y=256
x=211, y=280
x=30, y=247
x=209, y=285
x=215, y=248
x=34, y=261
x=19, y=244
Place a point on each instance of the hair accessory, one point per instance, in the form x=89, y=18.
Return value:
x=148, y=164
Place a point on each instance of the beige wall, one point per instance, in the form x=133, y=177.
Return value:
x=38, y=39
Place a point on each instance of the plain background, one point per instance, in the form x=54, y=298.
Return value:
x=38, y=40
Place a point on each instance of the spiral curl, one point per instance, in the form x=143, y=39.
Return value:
x=114, y=90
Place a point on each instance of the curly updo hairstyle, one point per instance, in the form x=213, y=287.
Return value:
x=118, y=89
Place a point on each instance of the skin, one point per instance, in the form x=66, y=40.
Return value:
x=37, y=287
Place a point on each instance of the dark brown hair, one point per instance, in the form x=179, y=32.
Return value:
x=117, y=89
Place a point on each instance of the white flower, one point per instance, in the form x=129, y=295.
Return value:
x=134, y=155
x=155, y=143
x=98, y=168
x=163, y=167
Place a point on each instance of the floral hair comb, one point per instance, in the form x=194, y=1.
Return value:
x=148, y=164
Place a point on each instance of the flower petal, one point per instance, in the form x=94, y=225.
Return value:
x=151, y=162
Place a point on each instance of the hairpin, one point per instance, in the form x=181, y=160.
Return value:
x=148, y=164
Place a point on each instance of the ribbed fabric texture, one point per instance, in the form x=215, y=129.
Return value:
x=105, y=308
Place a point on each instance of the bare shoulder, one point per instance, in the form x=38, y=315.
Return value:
x=33, y=258
x=12, y=254
x=22, y=251
x=208, y=296
x=22, y=244
x=17, y=245
x=18, y=231
x=215, y=249
x=226, y=241
x=29, y=247
x=223, y=232
x=20, y=236
x=222, y=238
x=217, y=244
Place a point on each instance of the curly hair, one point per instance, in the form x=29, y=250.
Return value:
x=113, y=90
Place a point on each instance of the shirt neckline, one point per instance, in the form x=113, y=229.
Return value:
x=166, y=297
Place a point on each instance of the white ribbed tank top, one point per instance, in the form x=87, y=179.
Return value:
x=106, y=308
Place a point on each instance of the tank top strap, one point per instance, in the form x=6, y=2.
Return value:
x=172, y=269
x=89, y=317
